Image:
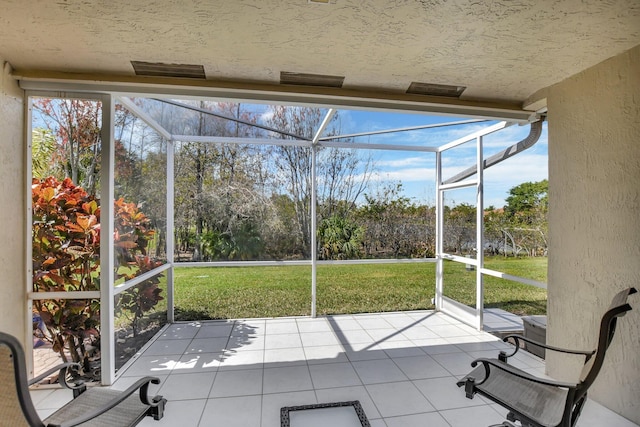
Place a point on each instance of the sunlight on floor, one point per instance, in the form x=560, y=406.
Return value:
x=401, y=367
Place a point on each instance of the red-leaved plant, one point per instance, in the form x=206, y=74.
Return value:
x=66, y=257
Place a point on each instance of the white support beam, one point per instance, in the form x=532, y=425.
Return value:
x=298, y=143
x=460, y=259
x=303, y=262
x=241, y=263
x=513, y=278
x=314, y=200
x=264, y=93
x=325, y=122
x=314, y=225
x=107, y=251
x=139, y=279
x=142, y=115
x=461, y=184
x=28, y=332
x=170, y=240
x=64, y=295
x=388, y=147
x=480, y=236
x=439, y=235
x=238, y=140
x=403, y=129
x=472, y=136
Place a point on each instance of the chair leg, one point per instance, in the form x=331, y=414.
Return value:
x=157, y=412
x=80, y=387
x=469, y=387
x=577, y=410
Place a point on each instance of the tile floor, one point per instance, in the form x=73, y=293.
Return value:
x=402, y=367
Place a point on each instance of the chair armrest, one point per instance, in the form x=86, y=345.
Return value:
x=142, y=384
x=517, y=372
x=517, y=339
x=62, y=376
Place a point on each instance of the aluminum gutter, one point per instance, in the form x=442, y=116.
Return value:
x=528, y=142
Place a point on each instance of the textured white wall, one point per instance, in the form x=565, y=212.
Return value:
x=12, y=203
x=594, y=221
x=502, y=50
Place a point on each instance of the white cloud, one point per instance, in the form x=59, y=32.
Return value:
x=498, y=179
x=417, y=170
x=403, y=162
x=521, y=168
x=406, y=175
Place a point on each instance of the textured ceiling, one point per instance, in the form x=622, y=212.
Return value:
x=500, y=50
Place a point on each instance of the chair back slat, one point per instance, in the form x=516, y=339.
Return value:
x=618, y=308
x=10, y=409
x=16, y=408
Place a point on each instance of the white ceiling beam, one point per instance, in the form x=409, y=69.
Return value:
x=269, y=93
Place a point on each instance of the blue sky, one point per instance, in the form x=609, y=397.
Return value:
x=416, y=170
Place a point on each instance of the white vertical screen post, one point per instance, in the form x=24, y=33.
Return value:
x=169, y=229
x=28, y=341
x=480, y=236
x=314, y=200
x=439, y=233
x=107, y=258
x=314, y=263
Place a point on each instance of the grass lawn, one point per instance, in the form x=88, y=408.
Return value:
x=247, y=292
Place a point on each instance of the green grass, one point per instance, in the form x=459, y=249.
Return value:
x=247, y=292
x=514, y=297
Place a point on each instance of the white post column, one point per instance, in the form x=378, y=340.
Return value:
x=314, y=200
x=170, y=229
x=107, y=258
x=439, y=233
x=314, y=220
x=480, y=237
x=28, y=341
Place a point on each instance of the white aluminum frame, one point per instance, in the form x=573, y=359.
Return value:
x=473, y=317
x=108, y=97
x=280, y=94
x=107, y=252
x=314, y=202
x=170, y=240
x=105, y=294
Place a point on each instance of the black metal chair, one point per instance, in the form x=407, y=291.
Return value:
x=93, y=406
x=540, y=402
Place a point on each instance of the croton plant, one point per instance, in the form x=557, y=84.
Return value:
x=66, y=257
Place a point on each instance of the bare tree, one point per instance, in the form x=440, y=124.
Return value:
x=76, y=124
x=342, y=174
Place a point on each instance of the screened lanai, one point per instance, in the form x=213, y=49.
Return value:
x=210, y=185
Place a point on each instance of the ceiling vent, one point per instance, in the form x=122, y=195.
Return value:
x=433, y=89
x=287, y=78
x=159, y=69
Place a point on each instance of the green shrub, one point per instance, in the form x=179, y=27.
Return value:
x=66, y=258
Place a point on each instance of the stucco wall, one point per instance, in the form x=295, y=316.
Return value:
x=12, y=206
x=594, y=221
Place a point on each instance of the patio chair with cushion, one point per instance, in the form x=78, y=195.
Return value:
x=93, y=406
x=541, y=402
